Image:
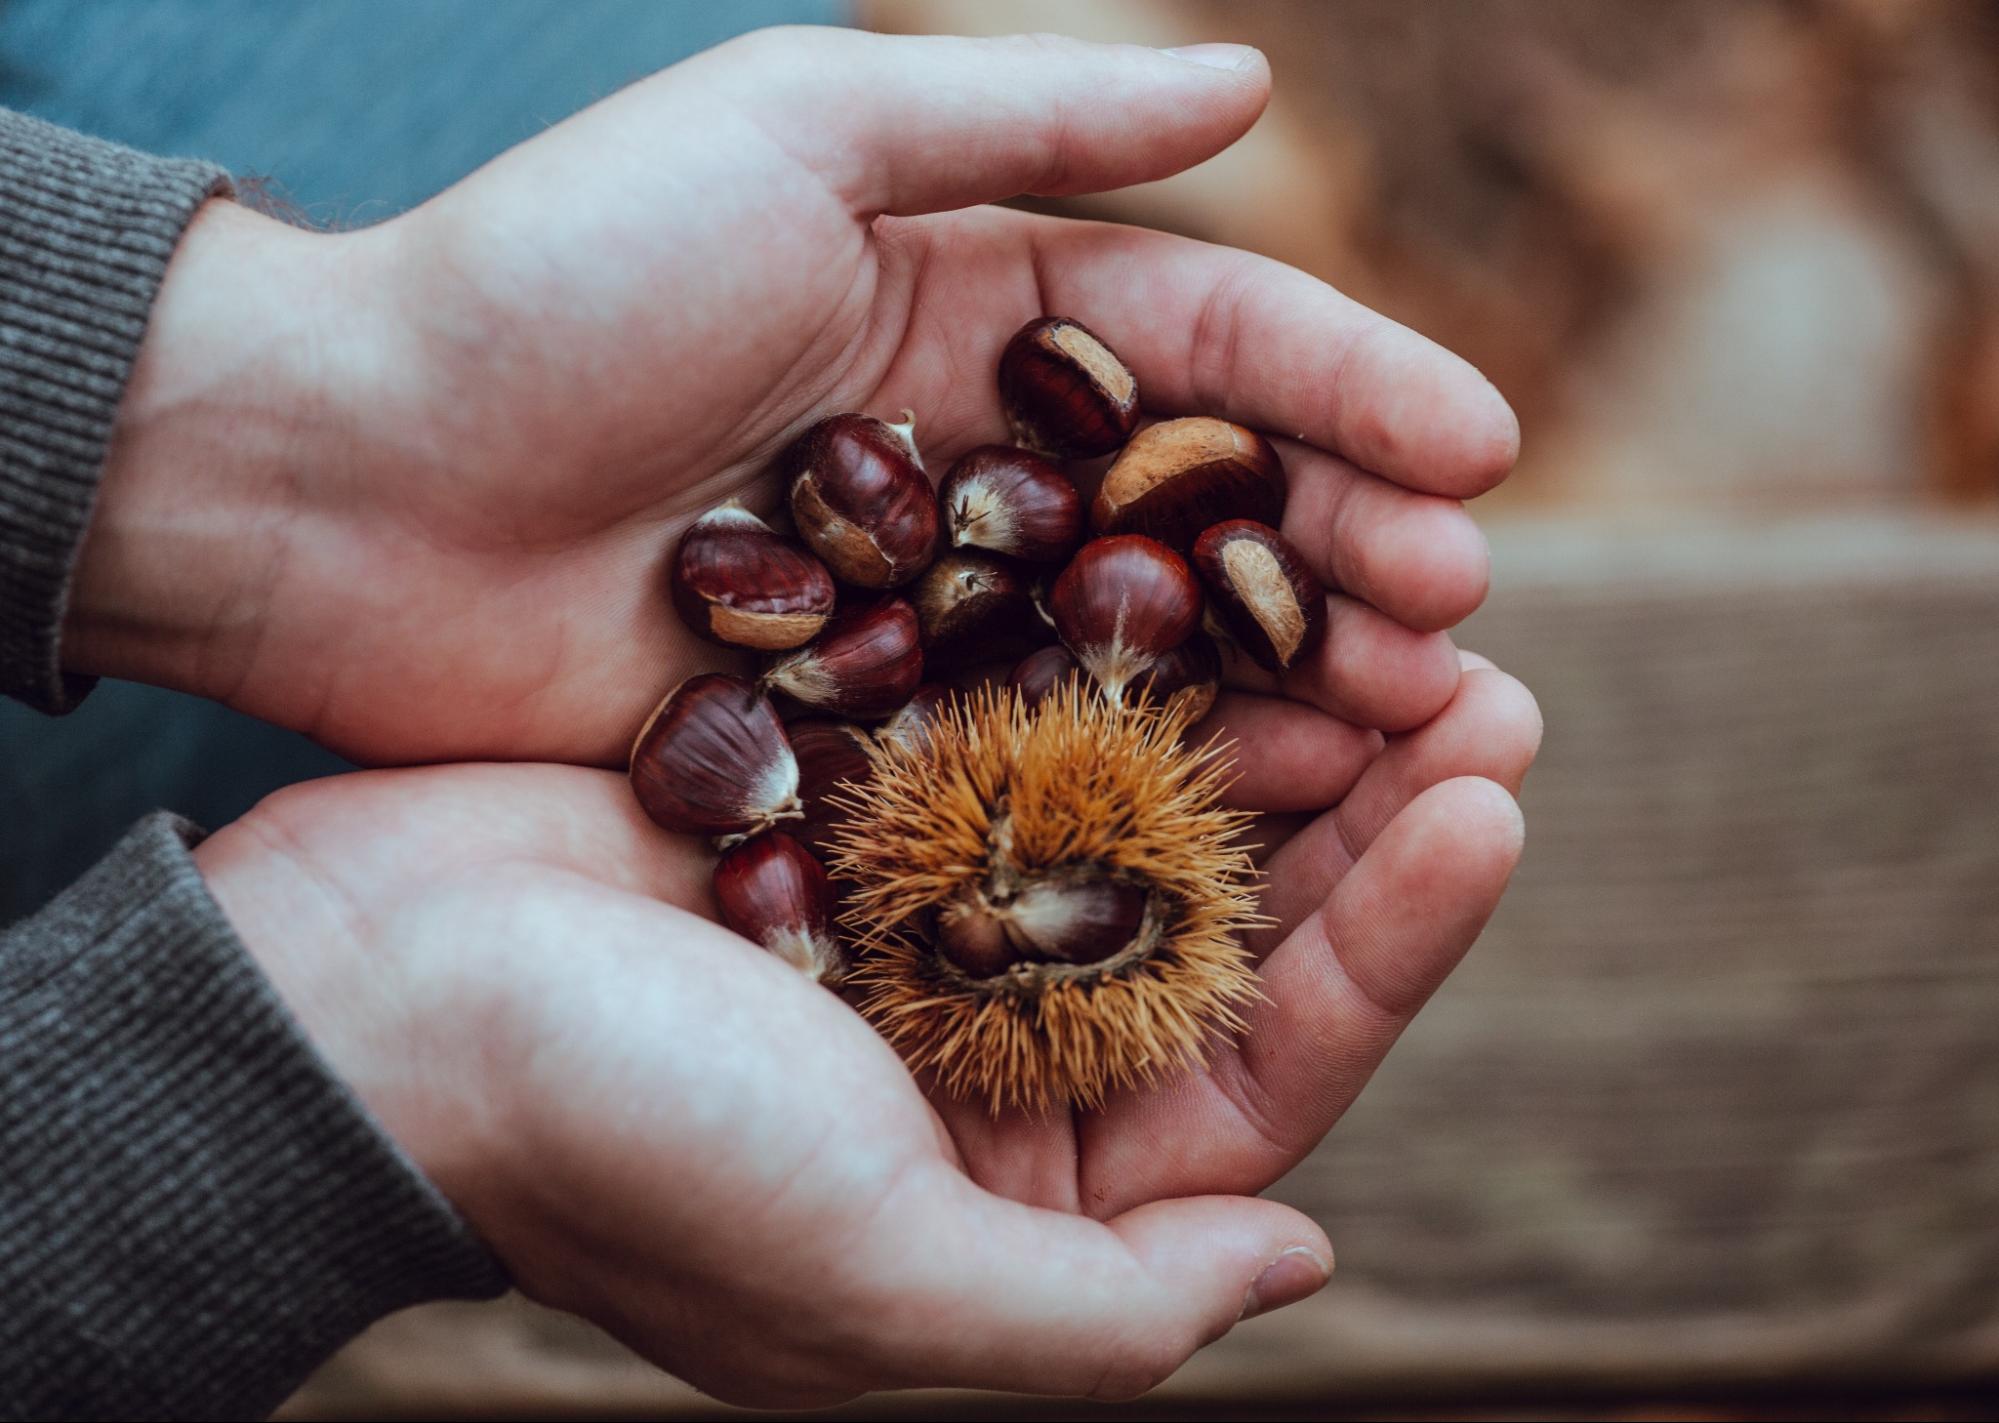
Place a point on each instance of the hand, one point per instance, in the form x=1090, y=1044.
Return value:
x=411, y=489
x=661, y=1127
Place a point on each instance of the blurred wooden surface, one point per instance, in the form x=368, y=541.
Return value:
x=1715, y=1102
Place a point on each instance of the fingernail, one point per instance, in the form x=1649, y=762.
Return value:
x=1297, y=1274
x=1215, y=56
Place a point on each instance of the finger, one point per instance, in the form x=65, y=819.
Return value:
x=1417, y=557
x=1287, y=756
x=1213, y=331
x=1475, y=661
x=926, y=123
x=995, y=1294
x=1492, y=728
x=1368, y=670
x=1336, y=995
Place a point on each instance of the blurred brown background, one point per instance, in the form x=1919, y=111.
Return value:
x=1709, y=1124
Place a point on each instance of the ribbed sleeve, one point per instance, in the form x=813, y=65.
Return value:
x=193, y=1211
x=86, y=228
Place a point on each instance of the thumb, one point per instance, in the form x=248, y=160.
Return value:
x=1038, y=1301
x=924, y=123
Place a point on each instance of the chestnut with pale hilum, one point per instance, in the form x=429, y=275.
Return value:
x=773, y=892
x=1122, y=603
x=1185, y=680
x=1013, y=502
x=713, y=759
x=864, y=665
x=737, y=582
x=911, y=725
x=1041, y=671
x=1064, y=392
x=861, y=500
x=1181, y=477
x=1273, y=608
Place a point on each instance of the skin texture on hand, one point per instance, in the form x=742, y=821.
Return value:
x=412, y=490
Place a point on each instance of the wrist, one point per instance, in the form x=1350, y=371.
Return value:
x=238, y=404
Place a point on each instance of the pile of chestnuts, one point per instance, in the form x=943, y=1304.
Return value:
x=893, y=598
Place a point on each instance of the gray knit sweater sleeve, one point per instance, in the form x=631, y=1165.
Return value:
x=193, y=1210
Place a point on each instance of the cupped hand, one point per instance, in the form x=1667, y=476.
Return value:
x=658, y=1125
x=412, y=489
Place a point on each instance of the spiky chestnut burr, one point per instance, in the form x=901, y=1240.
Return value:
x=1182, y=476
x=1050, y=832
x=1064, y=392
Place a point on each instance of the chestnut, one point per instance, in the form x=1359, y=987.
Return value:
x=738, y=582
x=910, y=727
x=1064, y=392
x=1011, y=501
x=774, y=893
x=973, y=607
x=1182, y=476
x=1273, y=607
x=1078, y=917
x=1037, y=674
x=1121, y=603
x=830, y=754
x=969, y=934
x=712, y=759
x=861, y=499
x=1189, y=676
x=864, y=665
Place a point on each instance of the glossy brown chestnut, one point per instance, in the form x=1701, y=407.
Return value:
x=830, y=754
x=1189, y=676
x=1121, y=603
x=861, y=499
x=773, y=892
x=738, y=582
x=1179, y=477
x=864, y=665
x=1065, y=393
x=1011, y=501
x=1038, y=673
x=970, y=936
x=1272, y=606
x=1077, y=917
x=973, y=607
x=910, y=727
x=712, y=759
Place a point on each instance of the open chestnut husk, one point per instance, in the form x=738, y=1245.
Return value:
x=973, y=607
x=1272, y=606
x=713, y=759
x=773, y=892
x=861, y=499
x=736, y=581
x=1064, y=392
x=1011, y=501
x=1179, y=477
x=1122, y=603
x=864, y=665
